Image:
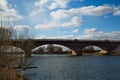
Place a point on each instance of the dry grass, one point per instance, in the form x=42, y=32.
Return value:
x=10, y=74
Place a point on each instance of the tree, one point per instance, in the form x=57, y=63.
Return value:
x=50, y=48
x=57, y=49
x=8, y=62
x=39, y=50
x=89, y=49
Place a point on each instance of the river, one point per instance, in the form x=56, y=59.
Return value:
x=63, y=67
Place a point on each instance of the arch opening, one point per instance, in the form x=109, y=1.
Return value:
x=93, y=50
x=52, y=49
x=12, y=50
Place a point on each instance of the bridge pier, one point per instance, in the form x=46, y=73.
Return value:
x=109, y=53
x=77, y=52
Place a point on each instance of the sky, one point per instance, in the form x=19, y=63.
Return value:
x=64, y=19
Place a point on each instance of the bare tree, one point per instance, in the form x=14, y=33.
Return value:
x=50, y=48
x=9, y=61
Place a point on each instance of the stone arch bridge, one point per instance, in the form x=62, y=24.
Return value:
x=75, y=45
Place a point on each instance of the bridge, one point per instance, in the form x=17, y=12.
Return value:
x=75, y=45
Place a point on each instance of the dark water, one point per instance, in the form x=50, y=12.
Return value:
x=75, y=68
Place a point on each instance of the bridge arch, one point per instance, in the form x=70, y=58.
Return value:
x=92, y=49
x=65, y=48
x=108, y=47
x=12, y=49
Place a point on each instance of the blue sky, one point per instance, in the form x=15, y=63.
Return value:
x=64, y=19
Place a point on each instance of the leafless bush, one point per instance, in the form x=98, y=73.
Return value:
x=26, y=43
x=9, y=60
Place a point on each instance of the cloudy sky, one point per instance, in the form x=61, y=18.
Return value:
x=64, y=19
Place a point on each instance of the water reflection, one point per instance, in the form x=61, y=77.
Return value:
x=75, y=68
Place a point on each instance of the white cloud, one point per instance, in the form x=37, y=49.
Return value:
x=41, y=2
x=55, y=37
x=93, y=33
x=3, y=5
x=42, y=8
x=59, y=4
x=8, y=13
x=50, y=14
x=88, y=10
x=88, y=34
x=74, y=22
x=52, y=4
x=72, y=17
x=95, y=10
x=46, y=26
x=60, y=14
x=22, y=27
x=117, y=13
x=75, y=31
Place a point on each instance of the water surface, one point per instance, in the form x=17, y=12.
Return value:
x=75, y=68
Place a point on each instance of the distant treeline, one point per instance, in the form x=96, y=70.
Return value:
x=51, y=49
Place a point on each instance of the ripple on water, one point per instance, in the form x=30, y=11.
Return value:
x=75, y=68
